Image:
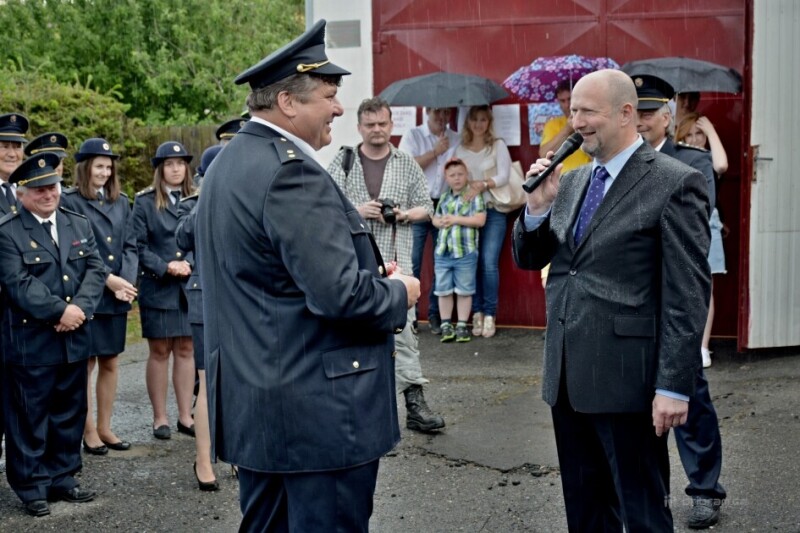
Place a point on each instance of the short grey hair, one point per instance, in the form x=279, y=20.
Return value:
x=299, y=85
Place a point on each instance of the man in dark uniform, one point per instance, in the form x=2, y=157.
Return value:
x=12, y=136
x=299, y=316
x=699, y=441
x=227, y=130
x=54, y=142
x=52, y=278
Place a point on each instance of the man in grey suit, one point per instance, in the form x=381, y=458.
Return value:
x=627, y=294
x=299, y=314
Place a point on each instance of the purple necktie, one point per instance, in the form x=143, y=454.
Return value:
x=592, y=201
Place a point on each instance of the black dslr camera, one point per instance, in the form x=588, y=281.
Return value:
x=387, y=210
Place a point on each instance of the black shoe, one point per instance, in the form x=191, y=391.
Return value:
x=120, y=446
x=419, y=417
x=705, y=513
x=186, y=430
x=74, y=495
x=205, y=486
x=162, y=432
x=37, y=508
x=436, y=324
x=97, y=450
x=415, y=327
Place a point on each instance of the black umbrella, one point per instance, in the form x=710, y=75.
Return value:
x=688, y=75
x=443, y=89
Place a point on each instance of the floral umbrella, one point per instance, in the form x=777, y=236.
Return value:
x=537, y=82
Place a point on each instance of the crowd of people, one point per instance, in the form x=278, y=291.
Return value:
x=296, y=364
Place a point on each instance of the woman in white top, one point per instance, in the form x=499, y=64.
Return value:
x=489, y=164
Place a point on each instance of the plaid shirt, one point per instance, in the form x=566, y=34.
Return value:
x=458, y=240
x=404, y=183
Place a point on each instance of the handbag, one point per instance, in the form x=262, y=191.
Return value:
x=510, y=196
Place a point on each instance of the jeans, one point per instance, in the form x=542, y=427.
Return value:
x=491, y=238
x=420, y=232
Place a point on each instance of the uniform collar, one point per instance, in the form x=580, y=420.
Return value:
x=300, y=143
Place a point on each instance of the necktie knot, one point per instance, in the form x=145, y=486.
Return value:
x=176, y=195
x=592, y=201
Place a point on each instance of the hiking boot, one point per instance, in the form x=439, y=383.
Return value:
x=477, y=324
x=462, y=334
x=488, y=326
x=419, y=417
x=705, y=513
x=436, y=324
x=448, y=332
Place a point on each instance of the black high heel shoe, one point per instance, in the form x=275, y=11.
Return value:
x=206, y=486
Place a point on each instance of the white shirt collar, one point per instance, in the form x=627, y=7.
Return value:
x=51, y=218
x=615, y=164
x=300, y=143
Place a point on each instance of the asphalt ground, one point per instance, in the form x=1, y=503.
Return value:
x=493, y=468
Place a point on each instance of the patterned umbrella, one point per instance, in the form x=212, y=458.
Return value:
x=537, y=82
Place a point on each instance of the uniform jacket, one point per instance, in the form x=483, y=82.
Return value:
x=39, y=280
x=154, y=232
x=298, y=321
x=698, y=159
x=185, y=237
x=5, y=207
x=627, y=306
x=116, y=243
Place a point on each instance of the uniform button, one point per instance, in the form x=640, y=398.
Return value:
x=380, y=270
x=108, y=239
x=100, y=202
x=177, y=254
x=24, y=320
x=80, y=252
x=355, y=364
x=561, y=321
x=66, y=278
x=68, y=298
x=398, y=331
x=37, y=259
x=194, y=285
x=394, y=353
x=110, y=257
x=573, y=272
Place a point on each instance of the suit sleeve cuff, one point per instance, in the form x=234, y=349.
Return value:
x=532, y=222
x=673, y=395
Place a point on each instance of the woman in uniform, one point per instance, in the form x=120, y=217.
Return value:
x=97, y=196
x=185, y=235
x=163, y=271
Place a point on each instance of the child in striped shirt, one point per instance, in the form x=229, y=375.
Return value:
x=458, y=216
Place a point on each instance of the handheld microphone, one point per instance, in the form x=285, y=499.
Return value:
x=572, y=143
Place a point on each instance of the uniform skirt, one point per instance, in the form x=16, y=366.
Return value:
x=108, y=334
x=164, y=323
x=197, y=342
x=716, y=255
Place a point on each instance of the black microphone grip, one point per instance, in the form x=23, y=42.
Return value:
x=569, y=147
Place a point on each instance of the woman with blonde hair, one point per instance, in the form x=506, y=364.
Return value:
x=489, y=164
x=163, y=270
x=696, y=130
x=97, y=196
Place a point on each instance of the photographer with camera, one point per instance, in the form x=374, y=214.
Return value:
x=390, y=192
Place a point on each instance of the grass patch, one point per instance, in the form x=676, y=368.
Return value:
x=134, y=331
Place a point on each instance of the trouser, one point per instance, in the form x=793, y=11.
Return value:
x=333, y=501
x=46, y=407
x=407, y=369
x=700, y=444
x=490, y=243
x=420, y=235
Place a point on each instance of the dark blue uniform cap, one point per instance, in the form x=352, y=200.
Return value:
x=94, y=147
x=37, y=171
x=13, y=128
x=306, y=54
x=653, y=92
x=208, y=156
x=230, y=128
x=170, y=149
x=48, y=142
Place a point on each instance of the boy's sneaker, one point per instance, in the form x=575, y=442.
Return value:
x=448, y=332
x=462, y=333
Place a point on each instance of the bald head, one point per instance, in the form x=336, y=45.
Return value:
x=604, y=113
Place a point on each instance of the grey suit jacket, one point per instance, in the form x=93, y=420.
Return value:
x=626, y=307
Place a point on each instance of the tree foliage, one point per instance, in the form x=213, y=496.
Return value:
x=170, y=61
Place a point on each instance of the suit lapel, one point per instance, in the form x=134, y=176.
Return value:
x=634, y=170
x=65, y=237
x=38, y=235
